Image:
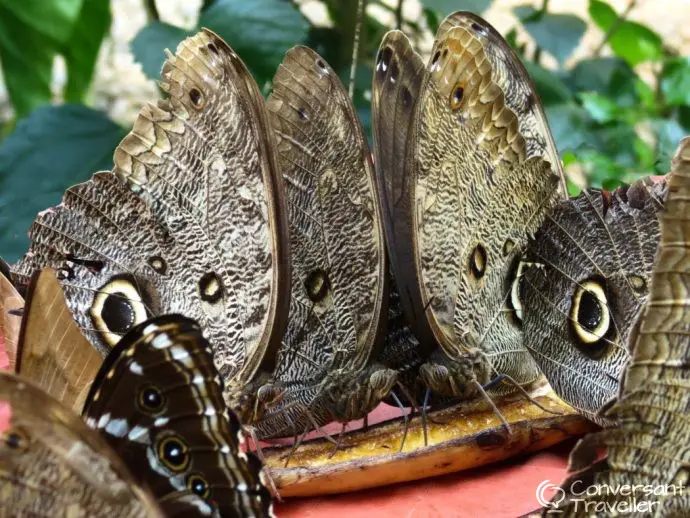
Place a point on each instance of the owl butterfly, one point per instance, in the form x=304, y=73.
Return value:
x=159, y=429
x=190, y=220
x=593, y=259
x=648, y=448
x=338, y=256
x=467, y=170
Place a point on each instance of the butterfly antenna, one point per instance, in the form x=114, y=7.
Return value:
x=427, y=394
x=355, y=47
x=493, y=406
x=407, y=421
x=507, y=379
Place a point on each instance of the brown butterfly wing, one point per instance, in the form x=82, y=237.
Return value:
x=336, y=241
x=52, y=352
x=158, y=401
x=587, y=283
x=11, y=307
x=481, y=184
x=190, y=220
x=52, y=464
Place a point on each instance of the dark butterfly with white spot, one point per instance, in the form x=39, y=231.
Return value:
x=325, y=364
x=191, y=220
x=648, y=463
x=467, y=170
x=165, y=433
x=592, y=260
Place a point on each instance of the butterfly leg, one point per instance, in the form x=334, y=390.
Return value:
x=507, y=379
x=486, y=396
x=339, y=442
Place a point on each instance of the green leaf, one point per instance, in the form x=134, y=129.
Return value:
x=602, y=109
x=558, y=34
x=149, y=43
x=551, y=89
x=51, y=149
x=260, y=31
x=448, y=6
x=81, y=50
x=630, y=40
x=26, y=57
x=675, y=81
x=568, y=123
x=612, y=77
x=668, y=133
x=53, y=19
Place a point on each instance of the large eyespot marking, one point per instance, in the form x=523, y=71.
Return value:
x=478, y=262
x=210, y=287
x=317, y=285
x=173, y=452
x=590, y=317
x=456, y=96
x=158, y=264
x=150, y=399
x=117, y=307
x=198, y=485
x=16, y=439
x=197, y=98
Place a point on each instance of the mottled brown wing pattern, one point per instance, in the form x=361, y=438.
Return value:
x=191, y=221
x=158, y=401
x=52, y=464
x=481, y=184
x=585, y=286
x=52, y=352
x=650, y=445
x=337, y=246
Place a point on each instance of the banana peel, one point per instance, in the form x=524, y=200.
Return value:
x=459, y=438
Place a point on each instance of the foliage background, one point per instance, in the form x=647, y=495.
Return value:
x=611, y=122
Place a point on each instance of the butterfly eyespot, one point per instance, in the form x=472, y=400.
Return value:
x=151, y=400
x=395, y=72
x=173, y=452
x=64, y=273
x=638, y=284
x=456, y=96
x=479, y=28
x=16, y=439
x=590, y=317
x=213, y=48
x=320, y=63
x=210, y=287
x=435, y=59
x=117, y=307
x=196, y=97
x=317, y=285
x=302, y=114
x=198, y=485
x=158, y=264
x=478, y=262
x=508, y=246
x=383, y=59
x=529, y=102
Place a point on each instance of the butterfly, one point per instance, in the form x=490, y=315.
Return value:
x=467, y=170
x=648, y=448
x=339, y=284
x=159, y=442
x=594, y=256
x=191, y=220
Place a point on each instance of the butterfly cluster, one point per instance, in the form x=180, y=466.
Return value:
x=454, y=268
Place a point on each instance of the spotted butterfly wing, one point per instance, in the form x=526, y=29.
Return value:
x=52, y=464
x=648, y=452
x=338, y=255
x=190, y=220
x=591, y=265
x=52, y=351
x=158, y=401
x=481, y=173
